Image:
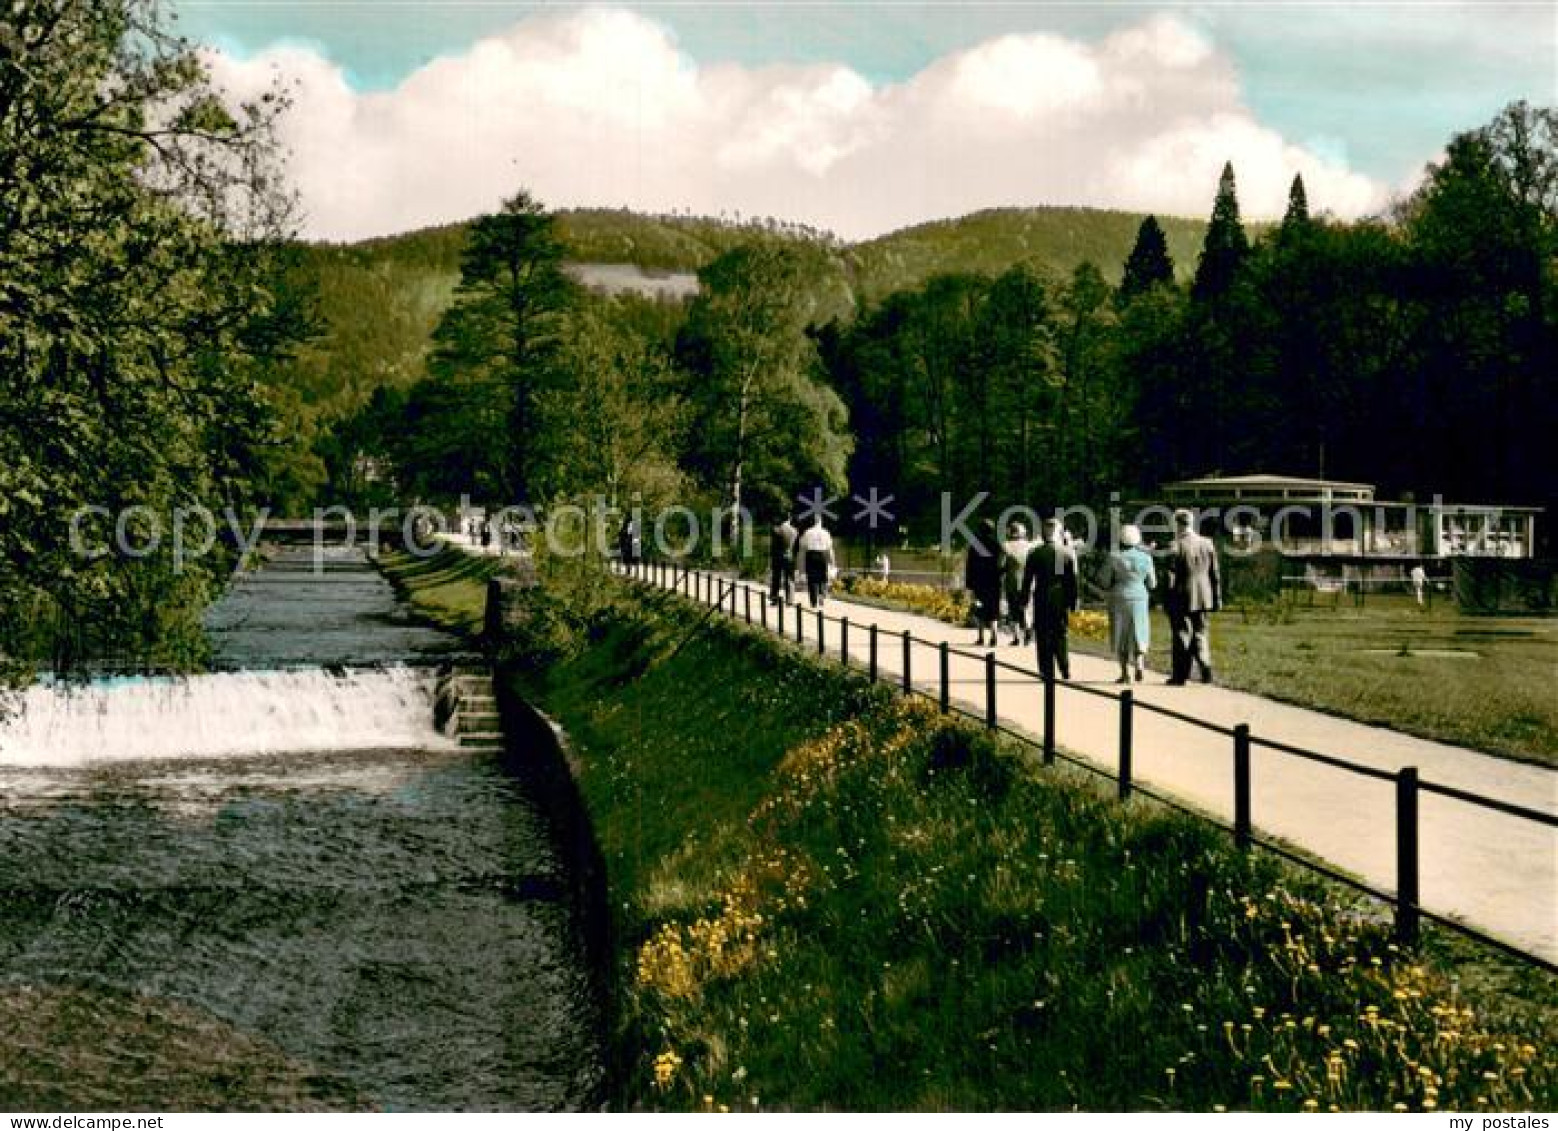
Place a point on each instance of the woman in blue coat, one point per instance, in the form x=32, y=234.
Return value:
x=1129, y=577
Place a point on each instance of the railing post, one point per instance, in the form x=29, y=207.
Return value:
x=990, y=690
x=800, y=621
x=1049, y=718
x=1406, y=856
x=746, y=602
x=762, y=611
x=1241, y=785
x=1127, y=704
x=844, y=641
x=946, y=689
x=822, y=646
x=872, y=662
x=779, y=617
x=908, y=655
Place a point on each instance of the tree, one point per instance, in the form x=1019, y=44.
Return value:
x=1089, y=414
x=1017, y=358
x=1295, y=221
x=1483, y=229
x=141, y=219
x=759, y=413
x=1149, y=264
x=1225, y=247
x=611, y=425
x=494, y=343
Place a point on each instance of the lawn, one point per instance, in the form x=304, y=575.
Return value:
x=449, y=587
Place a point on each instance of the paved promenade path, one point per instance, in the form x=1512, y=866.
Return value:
x=1494, y=871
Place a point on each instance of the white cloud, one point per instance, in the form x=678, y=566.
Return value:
x=599, y=108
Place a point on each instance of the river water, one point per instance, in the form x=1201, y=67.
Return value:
x=278, y=885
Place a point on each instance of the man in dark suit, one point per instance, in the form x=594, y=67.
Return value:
x=1050, y=580
x=1194, y=593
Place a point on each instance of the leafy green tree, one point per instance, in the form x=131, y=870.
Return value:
x=1149, y=264
x=1484, y=231
x=141, y=299
x=1149, y=347
x=1089, y=411
x=758, y=411
x=1018, y=357
x=611, y=425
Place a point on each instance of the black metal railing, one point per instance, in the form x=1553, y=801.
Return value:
x=707, y=588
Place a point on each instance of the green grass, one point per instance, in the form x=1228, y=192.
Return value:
x=826, y=897
x=449, y=588
x=1368, y=664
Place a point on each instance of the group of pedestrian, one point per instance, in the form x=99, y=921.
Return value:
x=505, y=536
x=1038, y=584
x=1034, y=582
x=1192, y=592
x=809, y=551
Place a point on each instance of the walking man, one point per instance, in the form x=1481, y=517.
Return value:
x=1049, y=581
x=1194, y=594
x=630, y=545
x=781, y=562
x=816, y=550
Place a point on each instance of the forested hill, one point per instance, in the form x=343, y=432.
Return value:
x=987, y=243
x=380, y=298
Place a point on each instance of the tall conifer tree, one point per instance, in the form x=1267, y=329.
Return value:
x=1225, y=248
x=1149, y=264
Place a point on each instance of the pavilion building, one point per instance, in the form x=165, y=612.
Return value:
x=1325, y=518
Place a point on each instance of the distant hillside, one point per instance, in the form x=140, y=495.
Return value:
x=381, y=298
x=1056, y=240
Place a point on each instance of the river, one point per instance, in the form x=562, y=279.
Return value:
x=276, y=885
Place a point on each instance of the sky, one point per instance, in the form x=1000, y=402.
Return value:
x=865, y=117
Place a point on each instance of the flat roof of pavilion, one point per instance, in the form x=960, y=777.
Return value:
x=1263, y=482
x=1264, y=487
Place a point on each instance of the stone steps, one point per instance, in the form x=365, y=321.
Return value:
x=474, y=721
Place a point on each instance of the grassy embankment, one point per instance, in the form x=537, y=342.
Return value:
x=449, y=587
x=828, y=897
x=1483, y=682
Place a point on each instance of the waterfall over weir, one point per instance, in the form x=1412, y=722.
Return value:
x=226, y=714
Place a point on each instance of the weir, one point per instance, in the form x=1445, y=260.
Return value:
x=219, y=715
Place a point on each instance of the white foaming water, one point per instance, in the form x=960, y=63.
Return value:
x=229, y=714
